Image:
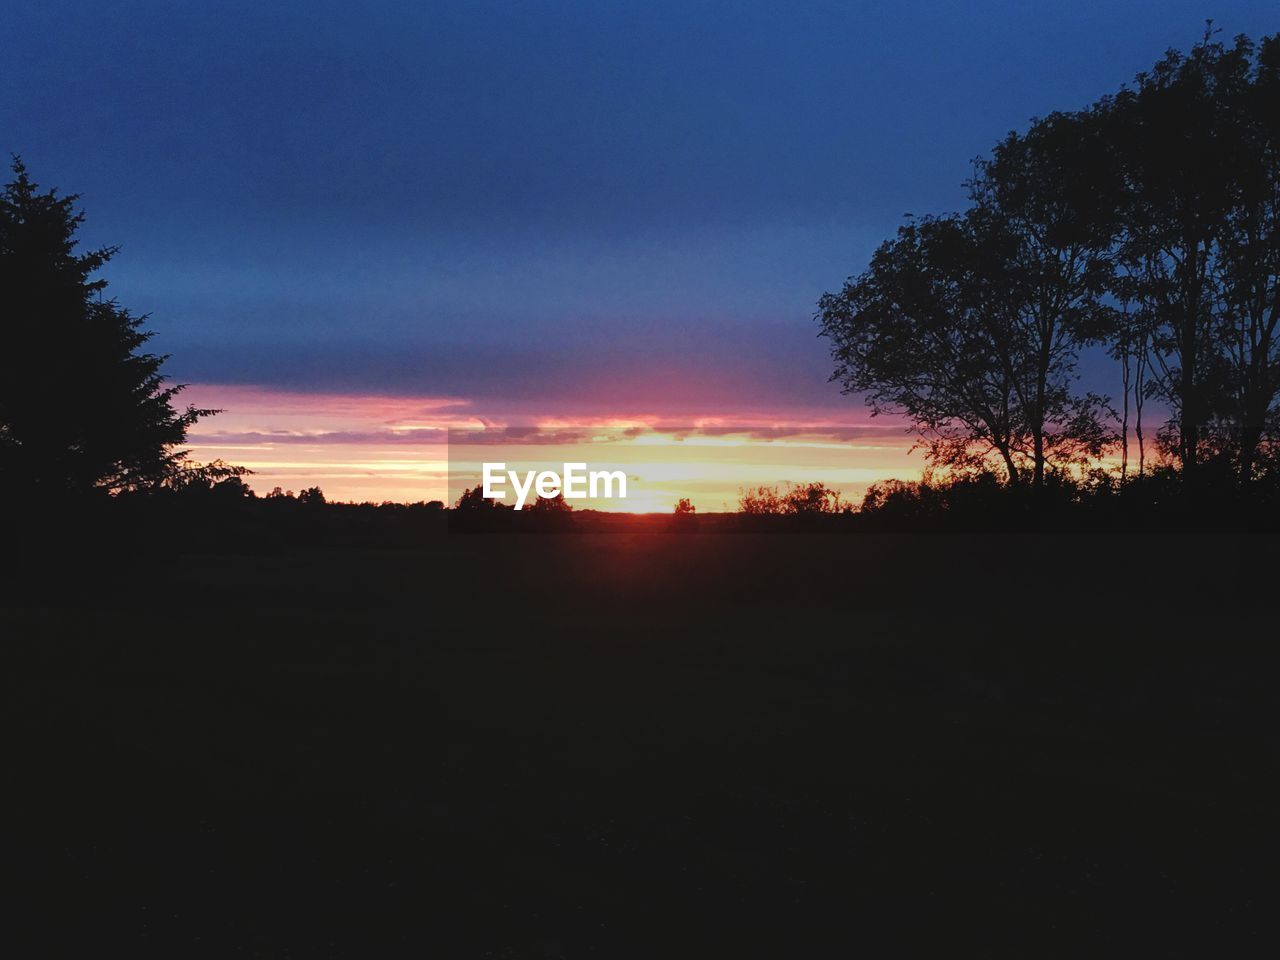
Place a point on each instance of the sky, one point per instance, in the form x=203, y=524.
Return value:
x=344, y=216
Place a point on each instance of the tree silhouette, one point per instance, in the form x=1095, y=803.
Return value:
x=911, y=337
x=556, y=504
x=312, y=496
x=1174, y=163
x=1250, y=267
x=764, y=500
x=1050, y=229
x=1148, y=224
x=797, y=500
x=971, y=329
x=473, y=499
x=217, y=476
x=82, y=406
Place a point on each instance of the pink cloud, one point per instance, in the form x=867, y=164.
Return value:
x=374, y=447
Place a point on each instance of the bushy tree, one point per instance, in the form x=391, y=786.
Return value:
x=764, y=500
x=794, y=500
x=312, y=496
x=809, y=498
x=970, y=327
x=556, y=504
x=473, y=499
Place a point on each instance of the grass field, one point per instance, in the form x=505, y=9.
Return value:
x=644, y=745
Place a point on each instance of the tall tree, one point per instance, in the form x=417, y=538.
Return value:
x=910, y=336
x=1178, y=142
x=941, y=329
x=82, y=406
x=1150, y=223
x=1249, y=250
x=1129, y=345
x=1054, y=230
x=1194, y=151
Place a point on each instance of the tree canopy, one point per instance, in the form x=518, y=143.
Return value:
x=1147, y=225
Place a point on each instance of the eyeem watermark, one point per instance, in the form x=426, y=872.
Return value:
x=575, y=483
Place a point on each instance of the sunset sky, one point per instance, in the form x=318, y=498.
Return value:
x=357, y=225
x=406, y=448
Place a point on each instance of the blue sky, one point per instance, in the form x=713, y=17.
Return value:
x=606, y=203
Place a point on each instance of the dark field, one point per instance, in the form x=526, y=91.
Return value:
x=645, y=745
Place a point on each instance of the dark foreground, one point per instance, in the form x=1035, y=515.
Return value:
x=648, y=745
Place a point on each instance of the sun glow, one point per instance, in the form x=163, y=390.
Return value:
x=374, y=448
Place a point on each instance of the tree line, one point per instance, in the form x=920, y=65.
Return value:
x=1145, y=227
